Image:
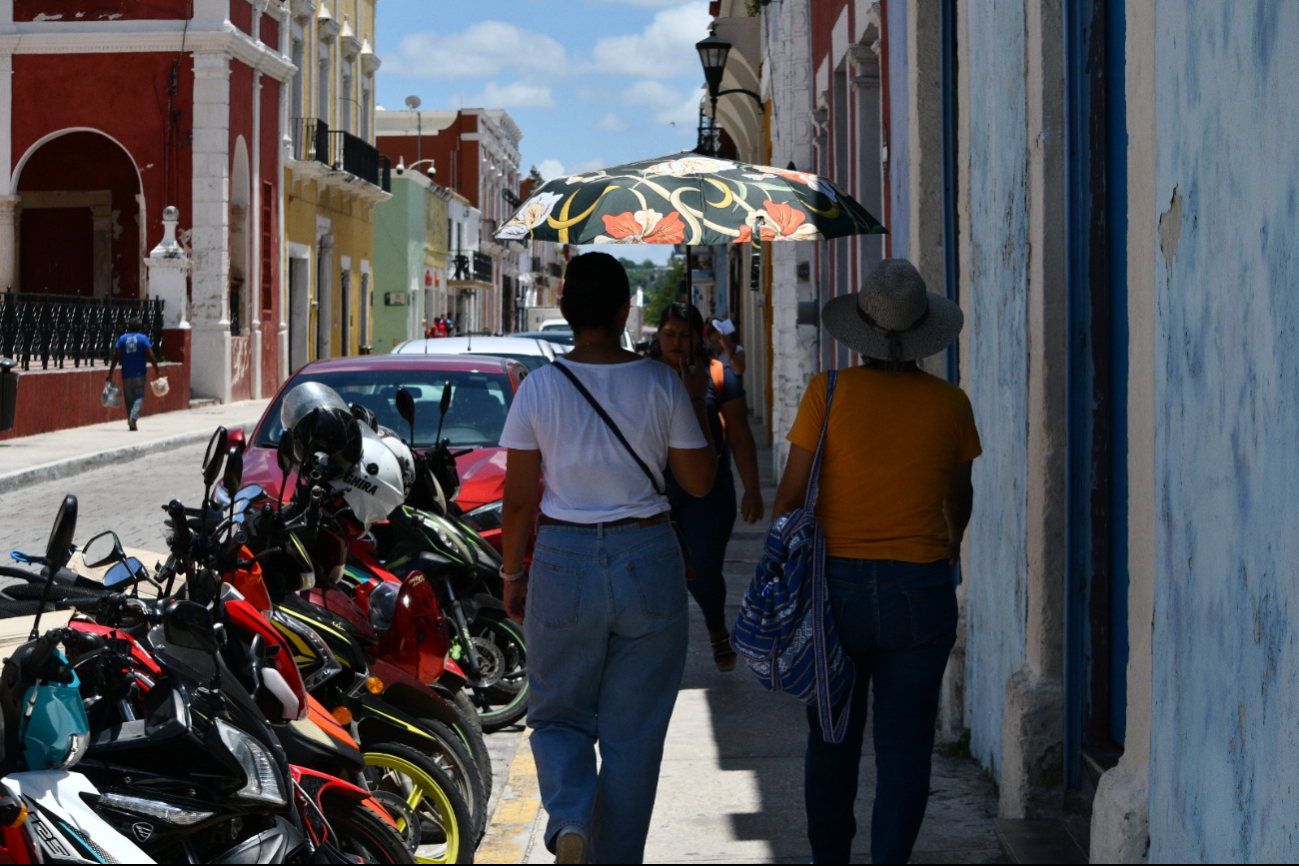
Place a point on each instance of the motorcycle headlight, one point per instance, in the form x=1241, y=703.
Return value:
x=486, y=517
x=168, y=812
x=259, y=767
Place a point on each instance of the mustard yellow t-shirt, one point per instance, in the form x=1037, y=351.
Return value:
x=892, y=441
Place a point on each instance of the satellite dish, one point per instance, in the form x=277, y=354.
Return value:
x=412, y=102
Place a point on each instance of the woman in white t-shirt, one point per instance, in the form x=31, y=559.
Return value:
x=605, y=599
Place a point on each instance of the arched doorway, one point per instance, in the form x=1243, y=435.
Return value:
x=78, y=218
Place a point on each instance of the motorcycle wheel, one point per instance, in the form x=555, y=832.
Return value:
x=358, y=832
x=473, y=736
x=454, y=758
x=446, y=833
x=506, y=701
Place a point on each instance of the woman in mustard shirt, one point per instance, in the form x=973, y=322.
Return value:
x=894, y=500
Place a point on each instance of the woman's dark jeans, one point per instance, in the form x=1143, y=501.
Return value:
x=707, y=523
x=897, y=621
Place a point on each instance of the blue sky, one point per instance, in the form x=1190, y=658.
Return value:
x=590, y=82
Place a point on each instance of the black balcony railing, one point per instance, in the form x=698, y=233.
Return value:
x=314, y=141
x=483, y=267
x=62, y=328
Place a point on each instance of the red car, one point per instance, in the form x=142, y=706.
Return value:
x=483, y=389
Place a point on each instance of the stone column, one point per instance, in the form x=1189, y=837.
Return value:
x=8, y=220
x=255, y=266
x=1032, y=732
x=210, y=372
x=169, y=267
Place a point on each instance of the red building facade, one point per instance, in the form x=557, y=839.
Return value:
x=111, y=111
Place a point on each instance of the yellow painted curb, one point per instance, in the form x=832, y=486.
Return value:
x=509, y=833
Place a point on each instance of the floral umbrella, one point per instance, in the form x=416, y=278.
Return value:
x=688, y=199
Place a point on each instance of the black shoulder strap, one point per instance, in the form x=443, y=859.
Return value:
x=604, y=416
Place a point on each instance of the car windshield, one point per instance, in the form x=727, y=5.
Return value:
x=479, y=403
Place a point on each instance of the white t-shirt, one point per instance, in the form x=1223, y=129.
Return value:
x=589, y=476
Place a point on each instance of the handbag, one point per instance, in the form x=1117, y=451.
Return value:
x=613, y=427
x=785, y=630
x=111, y=396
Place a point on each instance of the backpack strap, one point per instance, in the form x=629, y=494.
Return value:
x=604, y=416
x=718, y=371
x=815, y=481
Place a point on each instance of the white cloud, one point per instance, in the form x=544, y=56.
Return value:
x=516, y=94
x=553, y=168
x=612, y=123
x=485, y=49
x=669, y=104
x=664, y=49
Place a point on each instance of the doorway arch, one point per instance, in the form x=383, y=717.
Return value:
x=78, y=217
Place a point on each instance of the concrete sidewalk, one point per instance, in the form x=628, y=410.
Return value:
x=63, y=453
x=731, y=788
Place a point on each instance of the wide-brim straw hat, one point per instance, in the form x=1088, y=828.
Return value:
x=894, y=317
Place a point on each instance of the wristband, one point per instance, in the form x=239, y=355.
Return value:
x=512, y=576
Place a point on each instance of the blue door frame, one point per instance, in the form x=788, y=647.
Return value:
x=1096, y=639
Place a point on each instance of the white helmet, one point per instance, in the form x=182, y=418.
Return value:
x=375, y=485
x=403, y=454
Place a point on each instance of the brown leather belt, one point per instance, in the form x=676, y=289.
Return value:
x=642, y=522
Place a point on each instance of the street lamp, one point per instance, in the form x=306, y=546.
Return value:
x=413, y=103
x=713, y=53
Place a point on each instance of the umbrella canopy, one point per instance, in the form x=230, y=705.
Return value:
x=688, y=199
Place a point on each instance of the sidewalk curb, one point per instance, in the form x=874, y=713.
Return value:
x=510, y=831
x=60, y=469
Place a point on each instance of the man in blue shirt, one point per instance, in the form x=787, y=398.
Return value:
x=133, y=349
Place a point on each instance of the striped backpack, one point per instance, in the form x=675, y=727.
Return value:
x=785, y=630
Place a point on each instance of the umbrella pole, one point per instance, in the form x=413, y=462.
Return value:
x=689, y=297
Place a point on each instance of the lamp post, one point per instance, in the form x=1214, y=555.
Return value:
x=413, y=103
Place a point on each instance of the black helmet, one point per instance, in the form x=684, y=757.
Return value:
x=319, y=422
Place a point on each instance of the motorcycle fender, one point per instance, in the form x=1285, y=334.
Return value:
x=60, y=793
x=376, y=711
x=322, y=786
x=453, y=675
x=486, y=601
x=274, y=845
x=404, y=691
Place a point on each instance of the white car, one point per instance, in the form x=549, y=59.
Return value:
x=555, y=325
x=530, y=353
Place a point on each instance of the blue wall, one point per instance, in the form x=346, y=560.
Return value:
x=899, y=160
x=997, y=380
x=1226, y=662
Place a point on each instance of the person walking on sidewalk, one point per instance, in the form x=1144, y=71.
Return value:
x=604, y=605
x=894, y=500
x=133, y=349
x=707, y=521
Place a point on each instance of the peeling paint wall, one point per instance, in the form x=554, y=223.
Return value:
x=1225, y=659
x=997, y=373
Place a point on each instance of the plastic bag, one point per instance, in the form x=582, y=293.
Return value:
x=111, y=396
x=160, y=387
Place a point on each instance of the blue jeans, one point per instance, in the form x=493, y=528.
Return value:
x=897, y=621
x=133, y=396
x=606, y=628
x=707, y=523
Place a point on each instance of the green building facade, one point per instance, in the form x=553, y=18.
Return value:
x=410, y=260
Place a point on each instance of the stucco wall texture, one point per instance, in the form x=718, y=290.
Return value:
x=1226, y=659
x=997, y=378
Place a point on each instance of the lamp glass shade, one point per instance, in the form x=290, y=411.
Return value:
x=712, y=54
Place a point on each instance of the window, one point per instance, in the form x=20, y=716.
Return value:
x=297, y=95
x=347, y=101
x=268, y=245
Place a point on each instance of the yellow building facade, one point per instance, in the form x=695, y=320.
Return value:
x=334, y=178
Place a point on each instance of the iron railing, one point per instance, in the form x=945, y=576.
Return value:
x=62, y=328
x=314, y=141
x=483, y=267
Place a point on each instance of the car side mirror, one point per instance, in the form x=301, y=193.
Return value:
x=189, y=624
x=216, y=450
x=58, y=550
x=235, y=439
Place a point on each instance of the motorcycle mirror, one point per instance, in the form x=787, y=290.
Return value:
x=284, y=459
x=406, y=405
x=103, y=549
x=447, y=391
x=234, y=475
x=58, y=550
x=189, y=624
x=216, y=449
x=127, y=572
